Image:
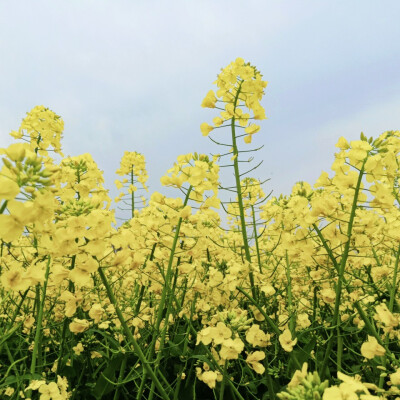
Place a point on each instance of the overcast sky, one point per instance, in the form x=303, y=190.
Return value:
x=131, y=75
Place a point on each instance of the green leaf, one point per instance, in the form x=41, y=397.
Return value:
x=302, y=355
x=5, y=336
x=103, y=386
x=27, y=377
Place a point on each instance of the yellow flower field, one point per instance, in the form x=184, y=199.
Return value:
x=294, y=297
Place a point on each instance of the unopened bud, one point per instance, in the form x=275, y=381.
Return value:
x=46, y=173
x=7, y=163
x=29, y=189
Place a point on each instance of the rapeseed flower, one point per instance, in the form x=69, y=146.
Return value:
x=79, y=326
x=285, y=339
x=253, y=361
x=371, y=348
x=231, y=348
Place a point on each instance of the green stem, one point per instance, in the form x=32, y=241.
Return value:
x=372, y=331
x=132, y=195
x=391, y=303
x=3, y=206
x=267, y=318
x=38, y=332
x=132, y=340
x=339, y=349
x=162, y=340
x=168, y=277
x=368, y=325
x=394, y=281
x=39, y=319
x=289, y=296
x=120, y=379
x=270, y=385
x=71, y=288
x=256, y=239
x=326, y=247
x=209, y=354
x=167, y=292
x=224, y=378
x=341, y=269
x=239, y=194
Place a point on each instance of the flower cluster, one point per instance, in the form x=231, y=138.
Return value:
x=42, y=128
x=239, y=85
x=132, y=165
x=198, y=171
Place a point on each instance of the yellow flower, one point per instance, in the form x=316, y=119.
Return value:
x=231, y=349
x=70, y=303
x=16, y=135
x=8, y=188
x=210, y=100
x=9, y=391
x=256, y=337
x=218, y=121
x=95, y=354
x=247, y=139
x=78, y=349
x=209, y=378
x=12, y=226
x=205, y=128
x=351, y=385
x=303, y=321
x=252, y=128
x=79, y=325
x=44, y=123
x=384, y=316
x=328, y=295
x=372, y=348
x=253, y=361
x=35, y=385
x=342, y=144
x=212, y=201
x=221, y=332
x=49, y=391
x=268, y=289
x=333, y=393
x=216, y=277
x=29, y=321
x=286, y=341
x=16, y=151
x=259, y=112
x=118, y=184
x=205, y=336
x=395, y=378
x=186, y=212
x=96, y=313
x=298, y=376
x=132, y=188
x=14, y=279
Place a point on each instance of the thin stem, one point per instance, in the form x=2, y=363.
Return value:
x=239, y=194
x=132, y=195
x=38, y=332
x=267, y=318
x=224, y=378
x=132, y=340
x=256, y=239
x=289, y=296
x=336, y=317
x=3, y=206
x=394, y=281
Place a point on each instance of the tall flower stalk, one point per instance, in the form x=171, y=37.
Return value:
x=240, y=87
